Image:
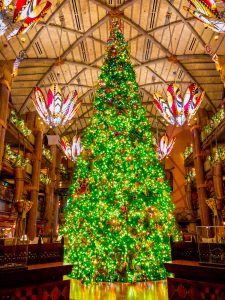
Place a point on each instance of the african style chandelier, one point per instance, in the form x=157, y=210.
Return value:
x=175, y=109
x=22, y=16
x=55, y=110
x=71, y=149
x=165, y=146
x=208, y=13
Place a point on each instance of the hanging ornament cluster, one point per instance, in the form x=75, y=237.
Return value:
x=71, y=149
x=208, y=13
x=165, y=146
x=175, y=109
x=21, y=17
x=54, y=110
x=22, y=55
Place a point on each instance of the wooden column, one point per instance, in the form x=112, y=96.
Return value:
x=56, y=197
x=4, y=105
x=218, y=184
x=19, y=184
x=200, y=178
x=19, y=201
x=188, y=196
x=5, y=87
x=31, y=226
x=50, y=189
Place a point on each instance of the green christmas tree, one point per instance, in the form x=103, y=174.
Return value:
x=118, y=219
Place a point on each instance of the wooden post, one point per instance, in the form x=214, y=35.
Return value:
x=188, y=196
x=56, y=197
x=48, y=230
x=37, y=157
x=200, y=178
x=4, y=104
x=218, y=184
x=18, y=200
x=19, y=184
x=5, y=87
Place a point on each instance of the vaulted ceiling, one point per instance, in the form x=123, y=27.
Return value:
x=165, y=43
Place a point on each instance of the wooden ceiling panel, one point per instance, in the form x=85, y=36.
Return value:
x=81, y=41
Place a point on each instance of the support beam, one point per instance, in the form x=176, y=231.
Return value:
x=75, y=119
x=52, y=16
x=32, y=226
x=50, y=189
x=167, y=53
x=5, y=87
x=191, y=28
x=200, y=178
x=64, y=55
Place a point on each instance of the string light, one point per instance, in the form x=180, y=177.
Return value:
x=118, y=218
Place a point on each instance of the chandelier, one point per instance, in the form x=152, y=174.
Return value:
x=207, y=12
x=175, y=109
x=54, y=110
x=21, y=17
x=71, y=149
x=165, y=146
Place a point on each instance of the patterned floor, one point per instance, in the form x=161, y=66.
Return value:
x=111, y=291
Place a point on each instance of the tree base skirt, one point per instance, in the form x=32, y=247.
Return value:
x=156, y=290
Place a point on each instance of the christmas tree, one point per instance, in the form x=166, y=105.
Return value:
x=118, y=219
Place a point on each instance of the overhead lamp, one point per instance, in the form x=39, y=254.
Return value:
x=56, y=111
x=175, y=109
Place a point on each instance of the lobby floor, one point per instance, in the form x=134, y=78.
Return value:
x=110, y=291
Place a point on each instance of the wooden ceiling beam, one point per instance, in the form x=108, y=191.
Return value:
x=60, y=6
x=191, y=28
x=160, y=82
x=53, y=60
x=56, y=26
x=84, y=36
x=71, y=84
x=167, y=53
x=63, y=56
x=162, y=27
x=82, y=97
x=102, y=5
x=127, y=4
x=109, y=8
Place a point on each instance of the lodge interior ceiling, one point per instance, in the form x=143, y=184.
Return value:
x=164, y=41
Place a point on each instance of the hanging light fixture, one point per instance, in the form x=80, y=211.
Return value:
x=175, y=109
x=206, y=11
x=165, y=146
x=71, y=149
x=54, y=110
x=26, y=13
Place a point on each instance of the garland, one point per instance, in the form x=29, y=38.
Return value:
x=216, y=119
x=218, y=155
x=45, y=179
x=188, y=151
x=63, y=172
x=47, y=153
x=19, y=123
x=15, y=158
x=190, y=175
x=62, y=169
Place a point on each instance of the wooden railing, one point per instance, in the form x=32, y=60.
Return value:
x=15, y=255
x=208, y=253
